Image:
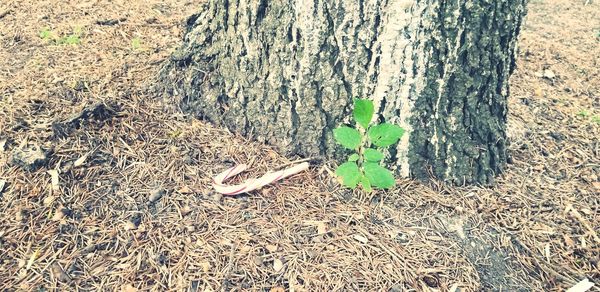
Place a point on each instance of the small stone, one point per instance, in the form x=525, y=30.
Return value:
x=277, y=265
x=156, y=194
x=271, y=248
x=549, y=74
x=30, y=157
x=360, y=238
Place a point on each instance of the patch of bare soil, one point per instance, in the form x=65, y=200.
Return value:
x=100, y=188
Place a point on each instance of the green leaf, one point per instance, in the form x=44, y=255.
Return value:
x=366, y=184
x=363, y=112
x=353, y=157
x=69, y=40
x=45, y=34
x=136, y=43
x=385, y=134
x=348, y=137
x=372, y=155
x=349, y=173
x=583, y=113
x=379, y=176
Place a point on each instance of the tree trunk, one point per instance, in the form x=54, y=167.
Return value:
x=286, y=71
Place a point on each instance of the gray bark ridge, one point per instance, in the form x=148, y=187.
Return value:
x=459, y=125
x=285, y=72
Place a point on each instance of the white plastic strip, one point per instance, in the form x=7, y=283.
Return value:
x=253, y=183
x=583, y=286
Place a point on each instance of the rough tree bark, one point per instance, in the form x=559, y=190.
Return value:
x=285, y=72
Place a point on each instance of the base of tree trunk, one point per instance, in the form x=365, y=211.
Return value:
x=285, y=72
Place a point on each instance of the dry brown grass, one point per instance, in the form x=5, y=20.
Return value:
x=97, y=228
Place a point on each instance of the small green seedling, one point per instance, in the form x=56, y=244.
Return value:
x=71, y=39
x=596, y=119
x=136, y=43
x=364, y=166
x=46, y=34
x=583, y=113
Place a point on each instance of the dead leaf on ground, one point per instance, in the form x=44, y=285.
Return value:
x=453, y=288
x=185, y=190
x=321, y=228
x=549, y=74
x=58, y=214
x=32, y=259
x=568, y=241
x=49, y=200
x=271, y=248
x=58, y=273
x=360, y=238
x=79, y=162
x=539, y=92
x=205, y=266
x=128, y=288
x=54, y=179
x=277, y=265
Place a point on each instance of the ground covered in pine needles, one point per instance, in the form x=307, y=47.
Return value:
x=100, y=188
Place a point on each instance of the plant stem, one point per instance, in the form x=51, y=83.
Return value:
x=361, y=150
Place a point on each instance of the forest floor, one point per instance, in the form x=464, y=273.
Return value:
x=121, y=198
